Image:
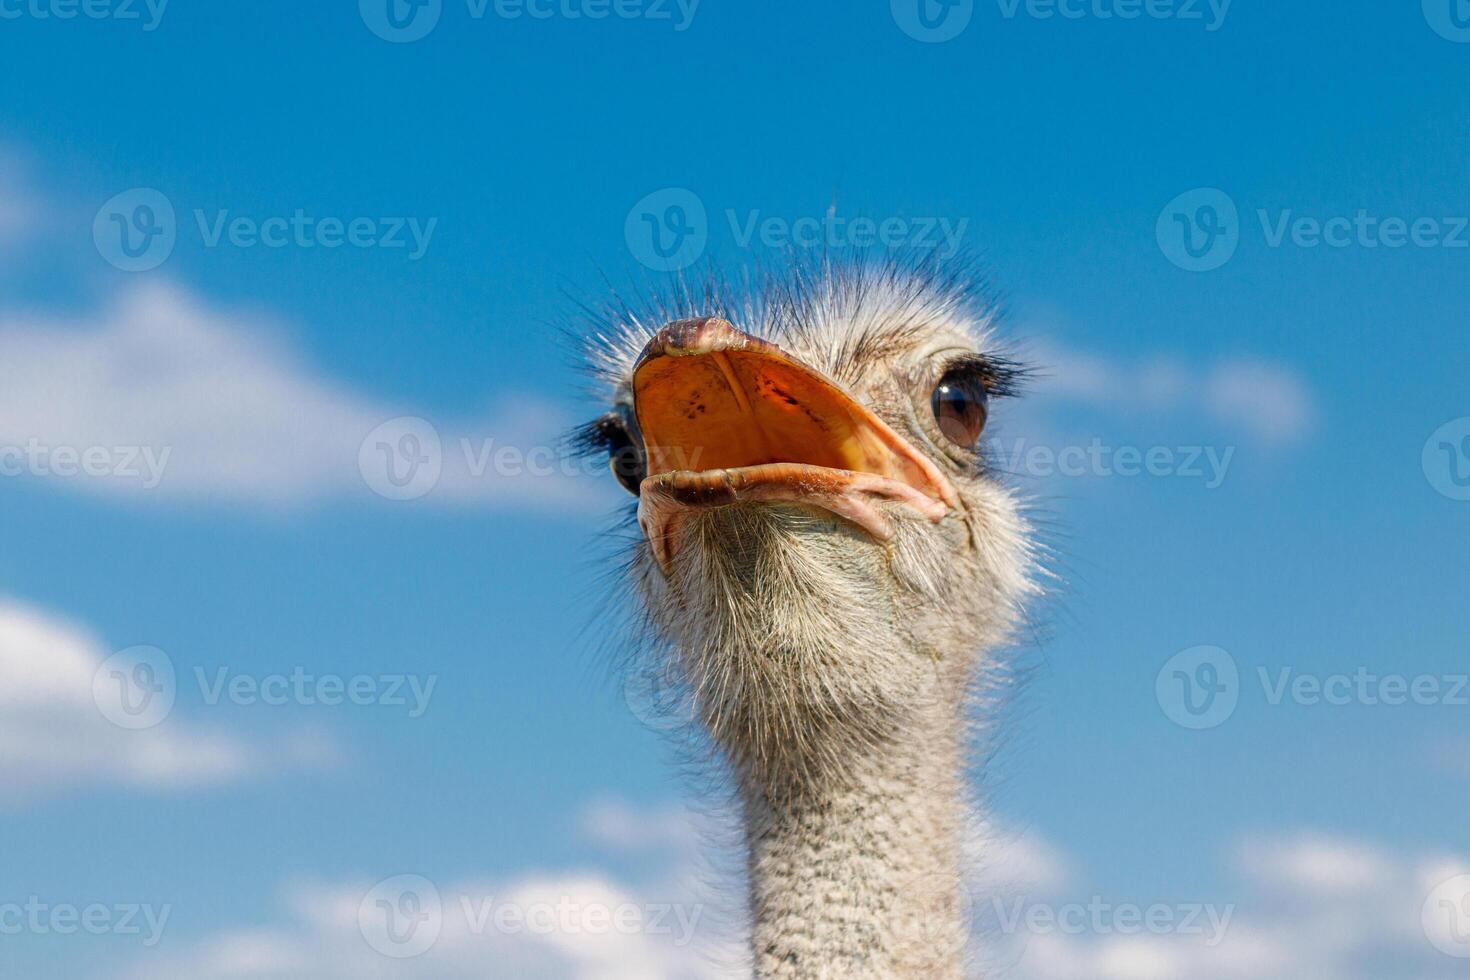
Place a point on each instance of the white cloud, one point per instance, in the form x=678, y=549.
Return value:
x=1340, y=910
x=1317, y=864
x=581, y=924
x=1312, y=908
x=177, y=399
x=54, y=735
x=1256, y=398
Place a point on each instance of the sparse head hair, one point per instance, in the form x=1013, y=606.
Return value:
x=806, y=645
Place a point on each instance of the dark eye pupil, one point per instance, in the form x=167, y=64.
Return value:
x=961, y=406
x=624, y=458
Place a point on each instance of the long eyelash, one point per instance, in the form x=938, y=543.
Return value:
x=1002, y=377
x=596, y=438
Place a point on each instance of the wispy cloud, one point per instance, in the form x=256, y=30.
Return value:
x=578, y=924
x=1307, y=906
x=20, y=211
x=1254, y=397
x=163, y=395
x=55, y=734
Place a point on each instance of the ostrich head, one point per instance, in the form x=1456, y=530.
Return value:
x=823, y=558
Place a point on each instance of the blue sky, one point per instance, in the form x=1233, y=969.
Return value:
x=520, y=147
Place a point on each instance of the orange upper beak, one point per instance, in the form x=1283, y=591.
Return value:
x=727, y=417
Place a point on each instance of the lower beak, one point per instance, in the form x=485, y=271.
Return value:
x=729, y=418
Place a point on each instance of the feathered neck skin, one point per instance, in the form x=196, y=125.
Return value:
x=857, y=876
x=840, y=705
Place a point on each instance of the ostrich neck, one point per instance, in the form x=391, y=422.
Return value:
x=857, y=876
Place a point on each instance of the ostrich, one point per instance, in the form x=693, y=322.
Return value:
x=824, y=560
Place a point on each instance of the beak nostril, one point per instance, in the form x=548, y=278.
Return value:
x=699, y=335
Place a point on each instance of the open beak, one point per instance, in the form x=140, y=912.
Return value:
x=728, y=418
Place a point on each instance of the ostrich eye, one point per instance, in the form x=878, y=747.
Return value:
x=623, y=456
x=961, y=406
